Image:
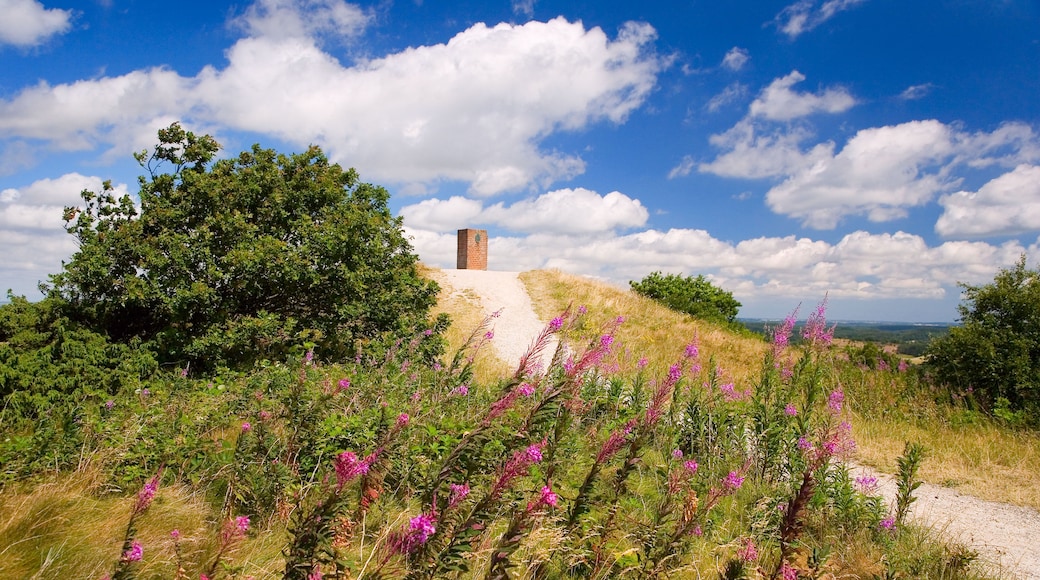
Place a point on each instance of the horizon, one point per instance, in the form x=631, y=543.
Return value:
x=876, y=153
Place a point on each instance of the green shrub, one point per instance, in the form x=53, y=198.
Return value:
x=249, y=258
x=695, y=296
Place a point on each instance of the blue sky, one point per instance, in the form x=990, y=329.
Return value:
x=873, y=151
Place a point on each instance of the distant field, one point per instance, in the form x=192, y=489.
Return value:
x=910, y=338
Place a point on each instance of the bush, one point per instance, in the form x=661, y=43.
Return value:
x=249, y=258
x=996, y=351
x=694, y=296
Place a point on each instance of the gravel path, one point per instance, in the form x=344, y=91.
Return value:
x=1006, y=537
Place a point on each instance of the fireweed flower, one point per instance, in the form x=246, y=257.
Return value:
x=556, y=324
x=459, y=491
x=420, y=529
x=582, y=309
x=732, y=481
x=147, y=493
x=526, y=389
x=888, y=523
x=615, y=442
x=866, y=483
x=790, y=410
x=135, y=553
x=517, y=466
x=461, y=390
x=348, y=466
x=246, y=427
x=691, y=466
x=835, y=400
x=643, y=361
x=677, y=453
x=109, y=404
x=692, y=350
x=816, y=331
x=344, y=384
x=402, y=419
x=787, y=572
x=782, y=334
x=749, y=553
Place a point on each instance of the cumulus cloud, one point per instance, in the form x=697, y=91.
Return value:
x=28, y=23
x=803, y=16
x=32, y=231
x=472, y=110
x=751, y=153
x=574, y=211
x=879, y=173
x=778, y=102
x=736, y=58
x=524, y=7
x=1007, y=205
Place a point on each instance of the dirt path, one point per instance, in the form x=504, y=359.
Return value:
x=1006, y=537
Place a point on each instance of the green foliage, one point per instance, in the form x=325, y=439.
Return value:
x=233, y=261
x=694, y=296
x=996, y=351
x=906, y=479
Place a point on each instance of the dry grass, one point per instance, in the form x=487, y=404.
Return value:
x=983, y=459
x=65, y=529
x=650, y=329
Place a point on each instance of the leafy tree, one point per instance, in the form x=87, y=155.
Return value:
x=695, y=296
x=996, y=350
x=227, y=262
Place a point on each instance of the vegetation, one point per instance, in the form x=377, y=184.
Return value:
x=994, y=356
x=230, y=262
x=697, y=297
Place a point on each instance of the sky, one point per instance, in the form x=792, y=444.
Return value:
x=875, y=153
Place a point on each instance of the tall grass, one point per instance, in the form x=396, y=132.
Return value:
x=652, y=446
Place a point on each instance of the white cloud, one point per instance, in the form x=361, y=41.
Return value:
x=574, y=211
x=915, y=92
x=683, y=168
x=524, y=7
x=731, y=93
x=32, y=232
x=778, y=102
x=303, y=19
x=803, y=16
x=752, y=155
x=28, y=23
x=1007, y=205
x=736, y=58
x=471, y=110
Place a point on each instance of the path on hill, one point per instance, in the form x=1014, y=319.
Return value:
x=1006, y=537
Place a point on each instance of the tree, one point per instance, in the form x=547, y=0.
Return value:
x=694, y=296
x=996, y=349
x=252, y=257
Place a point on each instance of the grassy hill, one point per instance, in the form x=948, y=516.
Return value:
x=655, y=445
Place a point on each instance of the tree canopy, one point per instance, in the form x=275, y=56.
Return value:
x=228, y=261
x=695, y=296
x=995, y=352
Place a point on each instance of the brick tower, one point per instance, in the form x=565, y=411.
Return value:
x=473, y=250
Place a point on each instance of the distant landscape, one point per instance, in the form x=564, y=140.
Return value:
x=909, y=338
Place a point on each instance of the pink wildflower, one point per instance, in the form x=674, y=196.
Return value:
x=691, y=466
x=816, y=331
x=692, y=350
x=787, y=572
x=402, y=419
x=867, y=483
x=790, y=410
x=489, y=335
x=888, y=523
x=677, y=453
x=643, y=361
x=526, y=389
x=556, y=324
x=316, y=574
x=344, y=384
x=732, y=481
x=246, y=427
x=461, y=390
x=459, y=491
x=175, y=534
x=749, y=553
x=548, y=497
x=242, y=524
x=835, y=400
x=348, y=466
x=135, y=553
x=582, y=309
x=903, y=365
x=147, y=493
